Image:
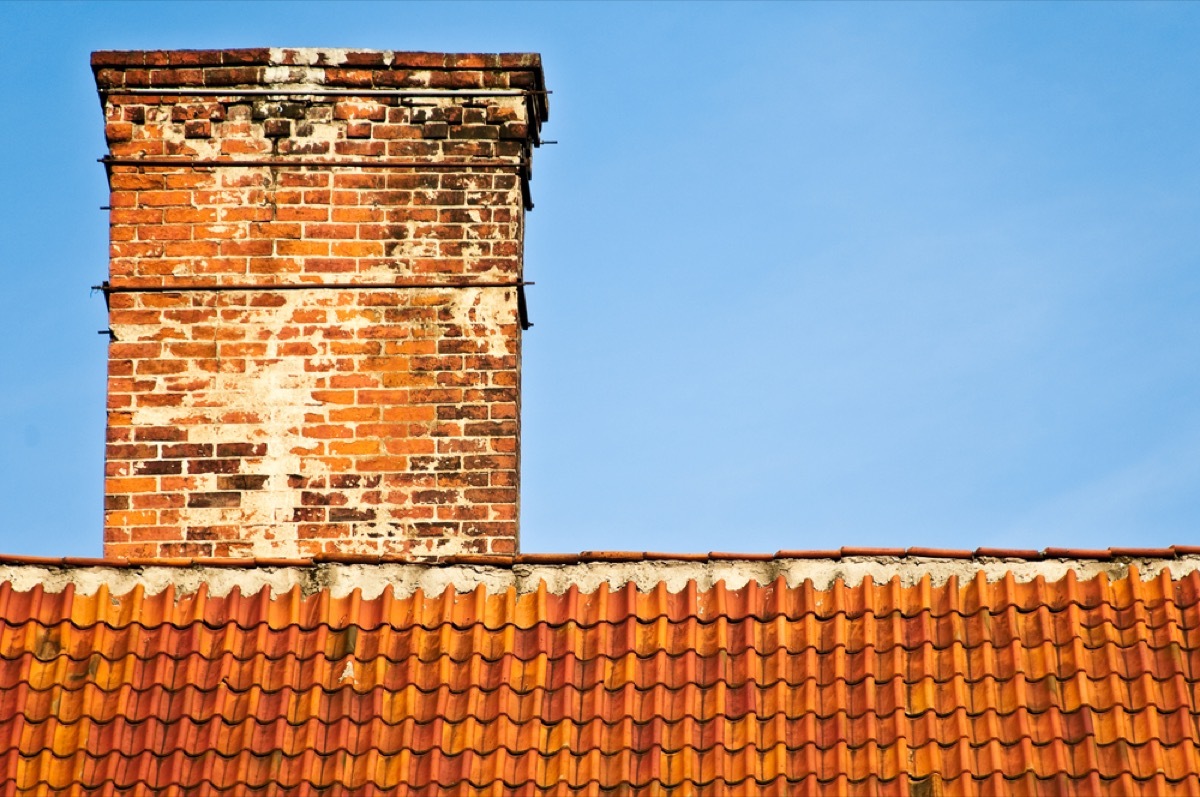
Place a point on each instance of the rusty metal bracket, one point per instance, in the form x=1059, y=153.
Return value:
x=523, y=307
x=103, y=287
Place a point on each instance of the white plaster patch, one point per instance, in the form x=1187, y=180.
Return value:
x=310, y=56
x=294, y=76
x=172, y=133
x=484, y=311
x=280, y=392
x=322, y=130
x=199, y=148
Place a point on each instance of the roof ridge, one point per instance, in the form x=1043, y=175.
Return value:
x=590, y=557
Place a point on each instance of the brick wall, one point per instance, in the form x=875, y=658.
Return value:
x=311, y=357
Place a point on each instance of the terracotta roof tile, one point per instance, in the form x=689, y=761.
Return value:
x=896, y=552
x=1007, y=553
x=970, y=687
x=834, y=554
x=1076, y=553
x=941, y=553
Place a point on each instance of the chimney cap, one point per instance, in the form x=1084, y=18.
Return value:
x=327, y=68
x=317, y=56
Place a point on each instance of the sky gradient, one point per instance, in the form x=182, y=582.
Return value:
x=807, y=275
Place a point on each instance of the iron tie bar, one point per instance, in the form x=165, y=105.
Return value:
x=109, y=160
x=107, y=287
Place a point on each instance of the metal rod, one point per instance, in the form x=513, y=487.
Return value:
x=535, y=128
x=108, y=160
x=291, y=286
x=301, y=92
x=523, y=307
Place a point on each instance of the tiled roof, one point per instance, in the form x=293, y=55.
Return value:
x=967, y=687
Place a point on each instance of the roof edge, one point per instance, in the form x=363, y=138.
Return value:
x=983, y=555
x=343, y=575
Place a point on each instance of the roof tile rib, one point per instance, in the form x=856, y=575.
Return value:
x=969, y=687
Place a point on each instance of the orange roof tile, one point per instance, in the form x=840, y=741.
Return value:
x=971, y=687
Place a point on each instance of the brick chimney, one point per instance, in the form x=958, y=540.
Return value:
x=315, y=300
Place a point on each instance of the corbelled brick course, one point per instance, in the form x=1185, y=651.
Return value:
x=315, y=300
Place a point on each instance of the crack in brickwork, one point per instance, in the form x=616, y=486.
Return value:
x=331, y=418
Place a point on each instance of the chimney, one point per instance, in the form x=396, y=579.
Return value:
x=315, y=300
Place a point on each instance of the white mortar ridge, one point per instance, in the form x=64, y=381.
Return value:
x=434, y=579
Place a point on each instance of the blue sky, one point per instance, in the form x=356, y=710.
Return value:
x=807, y=275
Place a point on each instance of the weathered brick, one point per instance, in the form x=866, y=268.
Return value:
x=159, y=433
x=242, y=482
x=345, y=515
x=277, y=128
x=215, y=499
x=197, y=128
x=213, y=466
x=158, y=467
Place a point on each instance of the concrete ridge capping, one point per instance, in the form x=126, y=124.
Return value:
x=589, y=571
